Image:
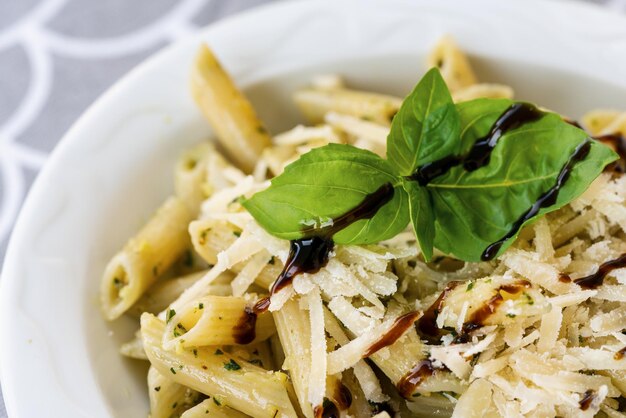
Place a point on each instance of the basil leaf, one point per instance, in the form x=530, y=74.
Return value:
x=422, y=216
x=324, y=184
x=477, y=208
x=426, y=128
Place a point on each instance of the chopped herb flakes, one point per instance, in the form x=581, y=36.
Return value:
x=237, y=233
x=272, y=261
x=158, y=388
x=470, y=286
x=170, y=315
x=195, y=352
x=257, y=362
x=218, y=352
x=174, y=405
x=172, y=370
x=511, y=315
x=217, y=401
x=201, y=305
x=529, y=299
x=232, y=365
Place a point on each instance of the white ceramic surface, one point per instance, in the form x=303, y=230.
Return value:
x=59, y=358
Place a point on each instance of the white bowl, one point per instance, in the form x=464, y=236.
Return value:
x=111, y=170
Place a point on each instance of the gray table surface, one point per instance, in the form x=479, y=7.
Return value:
x=58, y=56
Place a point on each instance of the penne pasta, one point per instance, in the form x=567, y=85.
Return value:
x=294, y=330
x=452, y=63
x=144, y=258
x=190, y=176
x=215, y=373
x=213, y=409
x=134, y=348
x=373, y=330
x=315, y=103
x=217, y=320
x=230, y=113
x=158, y=297
x=168, y=398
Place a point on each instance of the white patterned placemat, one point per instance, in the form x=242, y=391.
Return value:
x=58, y=56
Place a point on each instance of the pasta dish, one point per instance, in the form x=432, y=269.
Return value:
x=282, y=278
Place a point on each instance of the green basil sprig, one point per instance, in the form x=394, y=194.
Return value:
x=326, y=183
x=460, y=211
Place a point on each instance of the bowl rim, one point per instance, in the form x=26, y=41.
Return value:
x=17, y=246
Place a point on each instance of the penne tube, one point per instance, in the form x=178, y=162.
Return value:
x=144, y=258
x=484, y=90
x=596, y=121
x=259, y=354
x=134, y=348
x=168, y=398
x=231, y=115
x=212, y=409
x=294, y=330
x=315, y=104
x=232, y=382
x=217, y=320
x=164, y=292
x=210, y=237
x=453, y=64
x=190, y=176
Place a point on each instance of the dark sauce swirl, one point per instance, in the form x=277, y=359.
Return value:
x=547, y=199
x=341, y=401
x=310, y=253
x=415, y=377
x=426, y=326
x=513, y=117
x=586, y=400
x=244, y=332
x=596, y=279
x=397, y=330
x=619, y=355
x=479, y=317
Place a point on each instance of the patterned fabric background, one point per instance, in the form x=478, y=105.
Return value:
x=58, y=56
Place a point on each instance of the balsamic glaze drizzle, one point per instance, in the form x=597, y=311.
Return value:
x=546, y=199
x=368, y=207
x=619, y=355
x=426, y=326
x=596, y=279
x=513, y=117
x=416, y=376
x=310, y=253
x=341, y=401
x=479, y=317
x=397, y=330
x=588, y=397
x=244, y=332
